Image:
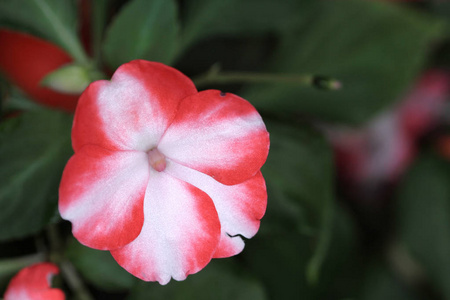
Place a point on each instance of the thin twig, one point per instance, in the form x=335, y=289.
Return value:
x=10, y=266
x=68, y=271
x=215, y=75
x=73, y=280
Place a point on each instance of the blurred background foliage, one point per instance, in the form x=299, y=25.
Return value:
x=358, y=178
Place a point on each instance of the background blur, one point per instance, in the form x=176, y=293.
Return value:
x=358, y=178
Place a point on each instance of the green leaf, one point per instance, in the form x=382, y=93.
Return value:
x=279, y=261
x=204, y=18
x=381, y=283
x=34, y=148
x=219, y=281
x=375, y=60
x=53, y=20
x=299, y=175
x=15, y=100
x=299, y=178
x=99, y=18
x=99, y=267
x=343, y=269
x=144, y=29
x=423, y=214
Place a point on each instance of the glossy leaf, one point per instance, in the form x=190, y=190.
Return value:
x=375, y=60
x=424, y=218
x=142, y=30
x=53, y=20
x=34, y=148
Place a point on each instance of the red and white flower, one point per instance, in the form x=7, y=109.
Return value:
x=33, y=283
x=163, y=176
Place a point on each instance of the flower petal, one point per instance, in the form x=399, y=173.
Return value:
x=33, y=283
x=180, y=233
x=240, y=207
x=132, y=111
x=102, y=193
x=218, y=134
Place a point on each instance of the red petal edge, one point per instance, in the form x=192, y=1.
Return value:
x=180, y=233
x=132, y=111
x=218, y=134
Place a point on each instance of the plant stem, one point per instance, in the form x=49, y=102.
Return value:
x=73, y=280
x=10, y=266
x=67, y=269
x=214, y=75
x=249, y=77
x=315, y=263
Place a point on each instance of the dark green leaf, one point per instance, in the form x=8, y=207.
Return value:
x=34, y=148
x=279, y=260
x=144, y=29
x=375, y=49
x=342, y=270
x=299, y=174
x=204, y=18
x=299, y=178
x=53, y=20
x=217, y=281
x=381, y=283
x=16, y=100
x=99, y=267
x=99, y=16
x=424, y=218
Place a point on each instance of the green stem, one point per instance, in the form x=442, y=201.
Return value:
x=10, y=266
x=249, y=77
x=68, y=271
x=214, y=75
x=315, y=263
x=74, y=281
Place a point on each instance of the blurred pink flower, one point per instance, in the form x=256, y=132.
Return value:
x=33, y=283
x=382, y=150
x=163, y=176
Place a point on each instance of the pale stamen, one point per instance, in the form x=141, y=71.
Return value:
x=157, y=160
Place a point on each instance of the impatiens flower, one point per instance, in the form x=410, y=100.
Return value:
x=163, y=176
x=33, y=283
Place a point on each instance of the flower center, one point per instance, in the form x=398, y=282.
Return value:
x=157, y=160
